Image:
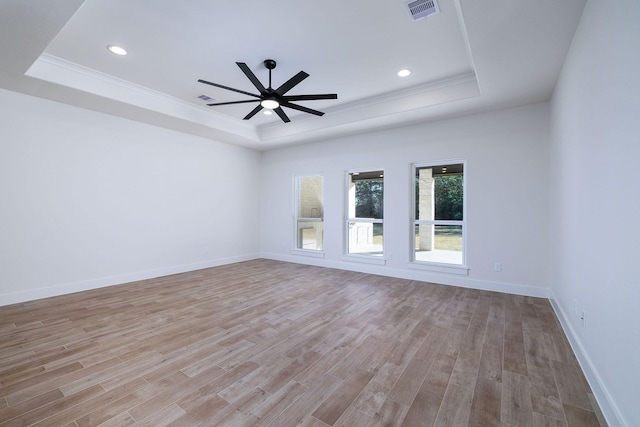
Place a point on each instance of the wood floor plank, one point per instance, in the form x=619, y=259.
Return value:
x=487, y=396
x=580, y=417
x=438, y=375
x=28, y=388
x=545, y=397
x=204, y=387
x=571, y=389
x=455, y=408
x=307, y=403
x=516, y=406
x=515, y=359
x=338, y=402
x=235, y=414
x=274, y=404
x=390, y=414
x=354, y=418
x=278, y=379
x=270, y=343
x=423, y=410
x=53, y=408
x=208, y=410
x=540, y=420
x=407, y=386
x=376, y=391
x=104, y=406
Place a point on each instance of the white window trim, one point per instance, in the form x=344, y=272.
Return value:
x=307, y=252
x=439, y=267
x=461, y=269
x=366, y=259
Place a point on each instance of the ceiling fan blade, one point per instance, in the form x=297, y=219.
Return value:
x=282, y=115
x=310, y=97
x=228, y=88
x=253, y=112
x=289, y=84
x=247, y=72
x=233, y=102
x=301, y=108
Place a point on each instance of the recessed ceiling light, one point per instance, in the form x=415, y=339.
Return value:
x=404, y=73
x=117, y=50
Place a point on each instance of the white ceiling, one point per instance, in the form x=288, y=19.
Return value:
x=475, y=55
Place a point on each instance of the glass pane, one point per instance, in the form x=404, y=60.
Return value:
x=310, y=234
x=439, y=192
x=448, y=197
x=311, y=196
x=365, y=238
x=366, y=195
x=438, y=243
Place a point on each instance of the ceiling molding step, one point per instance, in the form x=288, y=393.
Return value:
x=57, y=70
x=388, y=111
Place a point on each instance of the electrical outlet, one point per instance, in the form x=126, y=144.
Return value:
x=583, y=318
x=497, y=267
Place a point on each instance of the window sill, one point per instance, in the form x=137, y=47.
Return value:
x=440, y=268
x=308, y=253
x=365, y=259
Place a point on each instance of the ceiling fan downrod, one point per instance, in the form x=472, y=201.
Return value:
x=270, y=64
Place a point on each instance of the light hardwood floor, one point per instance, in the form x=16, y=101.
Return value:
x=278, y=344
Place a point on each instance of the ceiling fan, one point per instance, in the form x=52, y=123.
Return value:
x=273, y=99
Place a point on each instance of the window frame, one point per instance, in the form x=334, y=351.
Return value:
x=297, y=217
x=347, y=219
x=433, y=265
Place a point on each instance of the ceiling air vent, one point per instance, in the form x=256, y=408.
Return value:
x=420, y=9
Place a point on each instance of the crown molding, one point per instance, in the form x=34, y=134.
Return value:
x=66, y=73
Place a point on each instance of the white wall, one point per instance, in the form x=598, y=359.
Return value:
x=507, y=195
x=595, y=201
x=88, y=199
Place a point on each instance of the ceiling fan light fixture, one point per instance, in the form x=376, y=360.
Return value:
x=269, y=104
x=118, y=50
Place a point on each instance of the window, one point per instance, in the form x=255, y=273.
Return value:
x=438, y=226
x=309, y=212
x=365, y=207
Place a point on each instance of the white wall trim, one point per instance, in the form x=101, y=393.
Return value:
x=85, y=285
x=607, y=404
x=307, y=253
x=419, y=275
x=439, y=267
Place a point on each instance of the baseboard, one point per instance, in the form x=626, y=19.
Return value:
x=609, y=409
x=419, y=275
x=85, y=285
